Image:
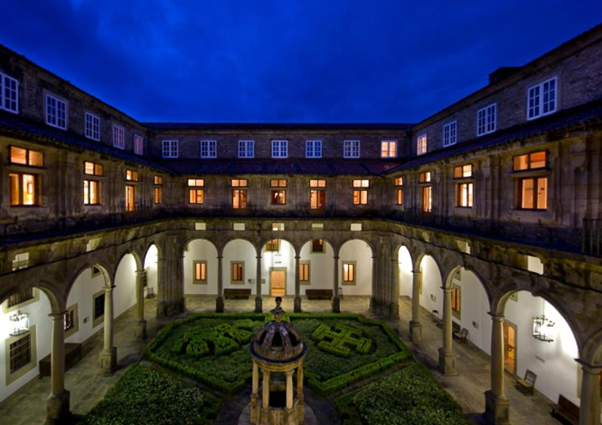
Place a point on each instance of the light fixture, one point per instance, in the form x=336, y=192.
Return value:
x=20, y=323
x=542, y=327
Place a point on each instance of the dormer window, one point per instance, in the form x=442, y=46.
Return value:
x=388, y=149
x=313, y=149
x=56, y=112
x=138, y=144
x=421, y=144
x=542, y=99
x=208, y=148
x=351, y=149
x=9, y=94
x=169, y=149
x=246, y=148
x=450, y=133
x=486, y=120
x=118, y=136
x=92, y=127
x=279, y=148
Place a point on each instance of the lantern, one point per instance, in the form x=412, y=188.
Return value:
x=542, y=327
x=20, y=323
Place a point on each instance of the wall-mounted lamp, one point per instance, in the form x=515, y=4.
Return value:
x=20, y=323
x=542, y=327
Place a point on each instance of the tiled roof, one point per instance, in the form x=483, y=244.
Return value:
x=12, y=125
x=559, y=121
x=280, y=166
x=274, y=126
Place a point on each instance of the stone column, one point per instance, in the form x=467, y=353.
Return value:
x=336, y=302
x=297, y=284
x=497, y=406
x=447, y=358
x=589, y=411
x=289, y=390
x=254, y=393
x=300, y=395
x=376, y=287
x=415, y=326
x=219, y=301
x=258, y=300
x=57, y=409
x=161, y=286
x=140, y=330
x=394, y=276
x=265, y=397
x=108, y=357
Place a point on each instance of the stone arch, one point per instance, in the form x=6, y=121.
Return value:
x=245, y=251
x=404, y=269
x=226, y=242
x=363, y=239
x=218, y=247
x=50, y=289
x=592, y=349
x=148, y=248
x=201, y=250
x=264, y=241
x=364, y=270
x=330, y=242
x=137, y=257
x=105, y=270
x=450, y=276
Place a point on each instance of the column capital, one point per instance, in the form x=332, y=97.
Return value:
x=58, y=316
x=335, y=257
x=446, y=289
x=297, y=257
x=496, y=317
x=109, y=288
x=290, y=372
x=258, y=257
x=140, y=272
x=590, y=368
x=415, y=273
x=220, y=257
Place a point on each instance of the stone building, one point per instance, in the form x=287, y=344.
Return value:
x=486, y=214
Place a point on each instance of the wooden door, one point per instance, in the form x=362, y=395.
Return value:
x=277, y=282
x=510, y=347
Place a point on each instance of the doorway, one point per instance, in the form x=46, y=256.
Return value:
x=278, y=281
x=510, y=347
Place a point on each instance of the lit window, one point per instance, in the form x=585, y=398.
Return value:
x=200, y=272
x=92, y=192
x=388, y=149
x=399, y=190
x=239, y=196
x=463, y=171
x=304, y=272
x=427, y=200
x=360, y=197
x=279, y=148
x=246, y=148
x=158, y=190
x=158, y=180
x=93, y=169
x=240, y=182
x=542, y=99
x=450, y=133
x=421, y=144
x=21, y=297
x=464, y=195
x=208, y=148
x=313, y=149
x=21, y=261
x=118, y=136
x=486, y=120
x=317, y=199
x=130, y=197
x=530, y=161
x=56, y=112
x=273, y=245
x=169, y=149
x=70, y=320
x=195, y=195
x=318, y=246
x=278, y=195
x=138, y=144
x=317, y=183
x=425, y=177
x=23, y=189
x=349, y=273
x=131, y=175
x=351, y=149
x=28, y=157
x=238, y=272
x=9, y=93
x=92, y=127
x=533, y=193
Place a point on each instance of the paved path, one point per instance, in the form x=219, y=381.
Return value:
x=87, y=385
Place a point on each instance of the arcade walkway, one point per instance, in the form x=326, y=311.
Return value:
x=87, y=385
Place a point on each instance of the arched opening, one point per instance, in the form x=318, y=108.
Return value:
x=404, y=272
x=429, y=286
x=151, y=266
x=278, y=268
x=551, y=358
x=239, y=271
x=19, y=362
x=124, y=294
x=200, y=272
x=316, y=273
x=355, y=273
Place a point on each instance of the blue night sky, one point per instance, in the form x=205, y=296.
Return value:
x=286, y=60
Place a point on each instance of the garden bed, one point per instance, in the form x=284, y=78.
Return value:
x=213, y=349
x=144, y=396
x=407, y=397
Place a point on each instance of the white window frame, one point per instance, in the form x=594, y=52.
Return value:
x=351, y=148
x=488, y=126
x=55, y=120
x=541, y=103
x=169, y=148
x=208, y=148
x=450, y=133
x=5, y=82
x=388, y=142
x=313, y=149
x=421, y=148
x=92, y=126
x=243, y=149
x=118, y=136
x=136, y=150
x=279, y=148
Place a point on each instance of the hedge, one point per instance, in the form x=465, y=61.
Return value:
x=407, y=397
x=144, y=396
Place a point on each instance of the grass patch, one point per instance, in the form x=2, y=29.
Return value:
x=144, y=396
x=407, y=397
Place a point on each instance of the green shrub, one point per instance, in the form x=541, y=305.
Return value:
x=144, y=396
x=407, y=397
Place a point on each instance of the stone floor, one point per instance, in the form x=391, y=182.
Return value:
x=87, y=385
